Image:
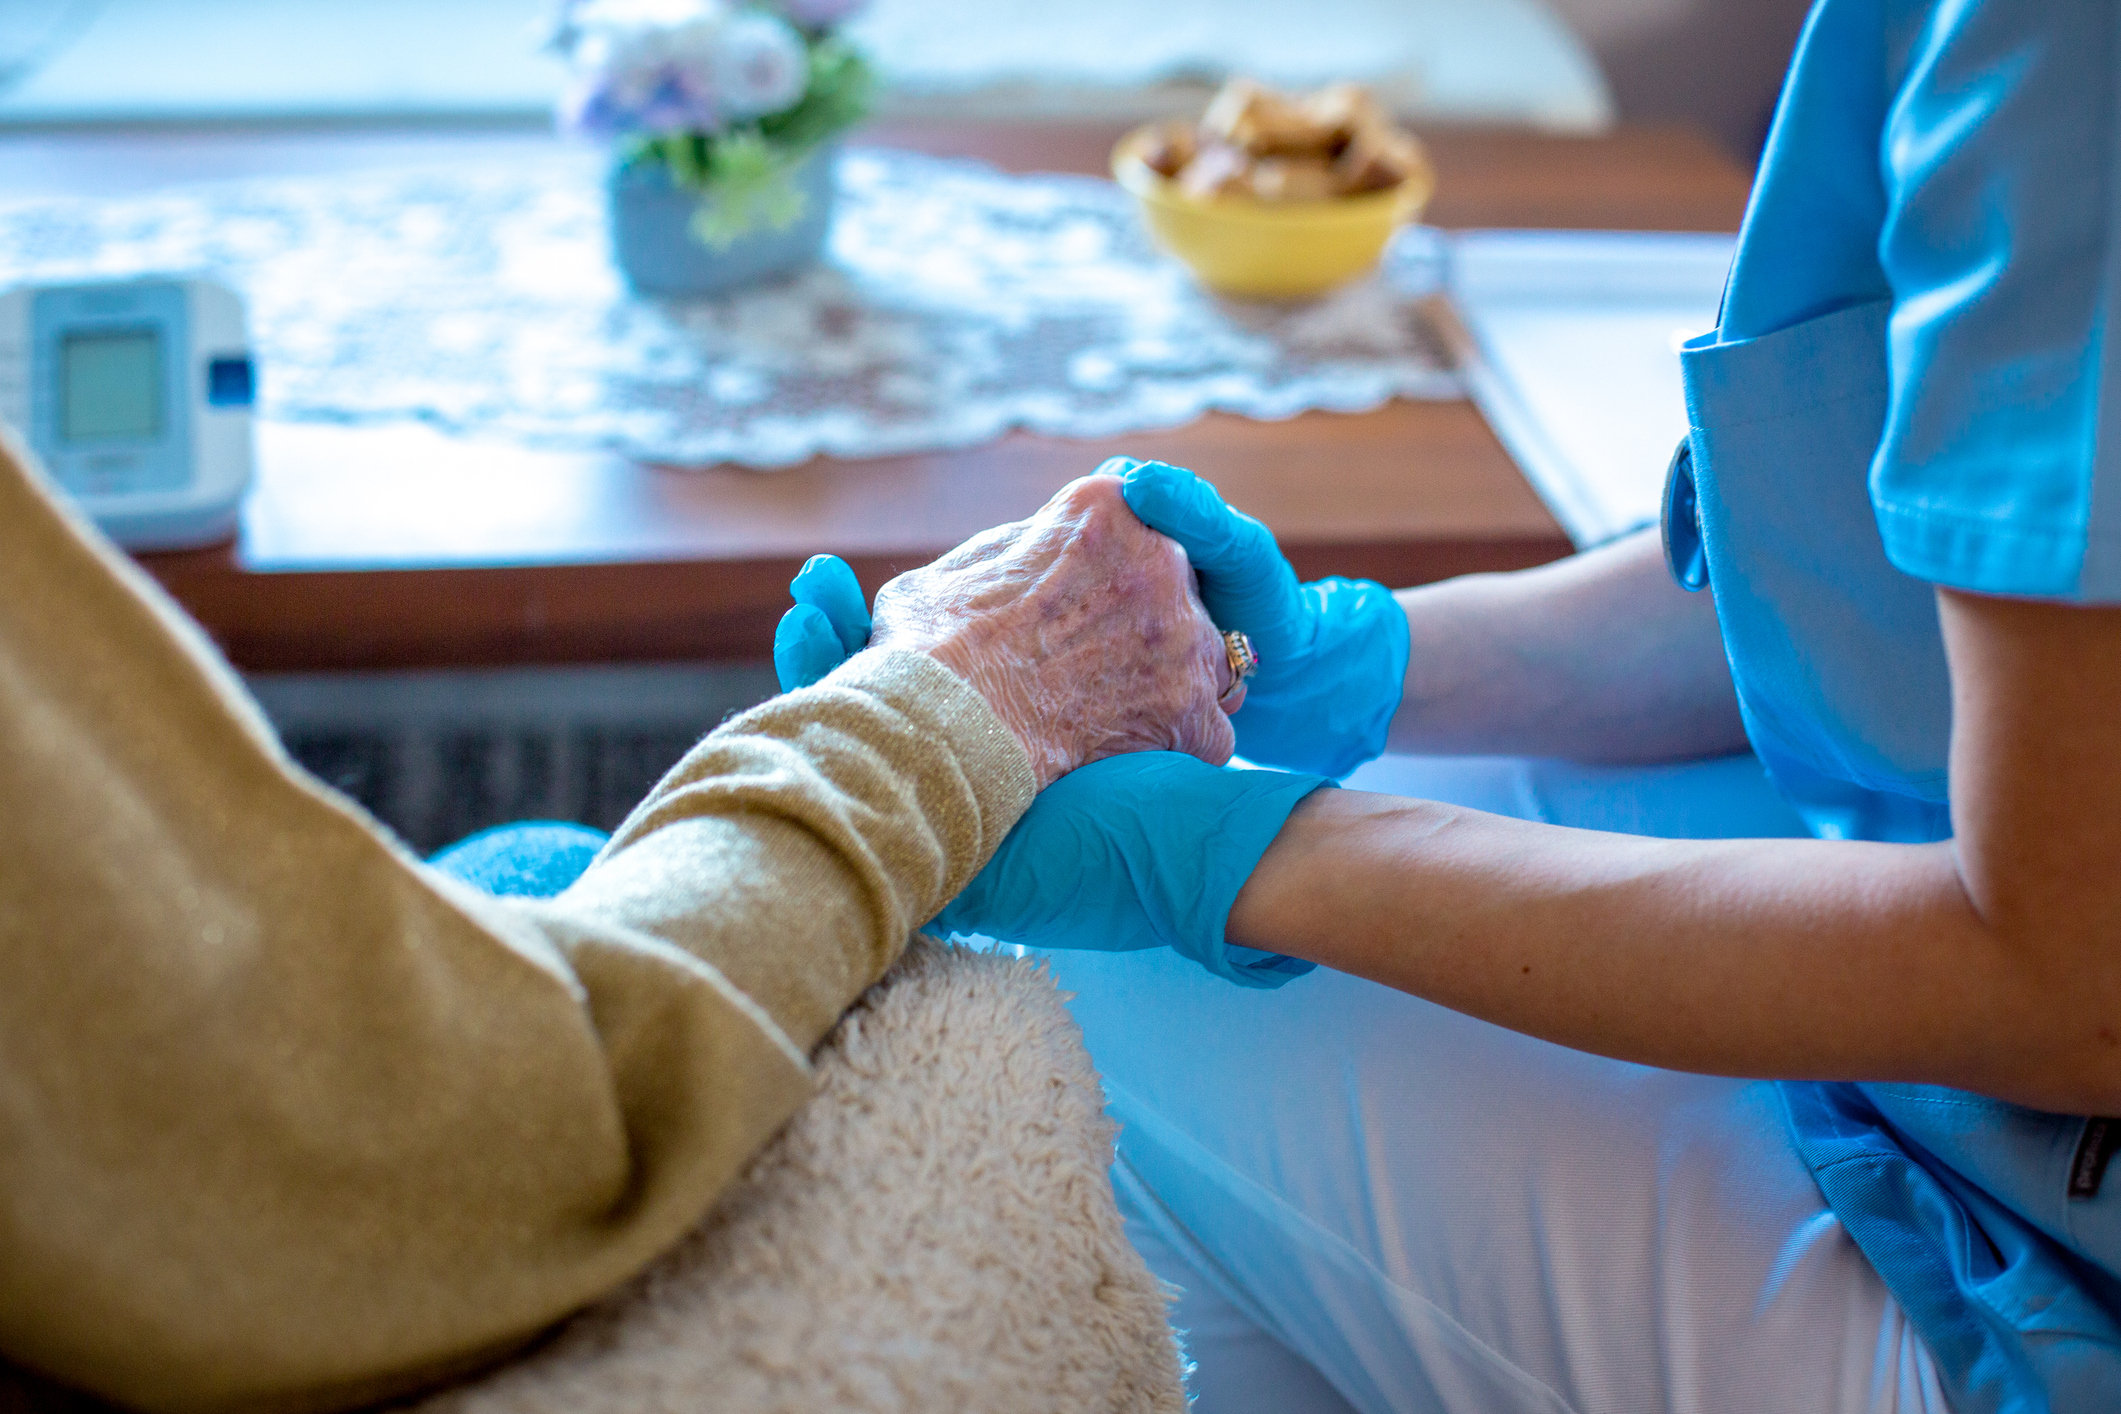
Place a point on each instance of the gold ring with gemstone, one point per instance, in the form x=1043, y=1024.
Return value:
x=1243, y=660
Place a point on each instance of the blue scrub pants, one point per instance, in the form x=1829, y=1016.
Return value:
x=1372, y=1203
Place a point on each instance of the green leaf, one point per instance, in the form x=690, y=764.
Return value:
x=750, y=183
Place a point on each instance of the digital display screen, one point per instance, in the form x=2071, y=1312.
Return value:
x=110, y=385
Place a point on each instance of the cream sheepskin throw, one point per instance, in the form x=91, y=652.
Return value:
x=934, y=1231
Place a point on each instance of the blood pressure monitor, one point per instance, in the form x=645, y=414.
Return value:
x=137, y=396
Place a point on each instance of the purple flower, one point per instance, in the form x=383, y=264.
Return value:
x=814, y=15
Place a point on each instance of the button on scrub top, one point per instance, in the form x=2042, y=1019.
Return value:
x=1906, y=389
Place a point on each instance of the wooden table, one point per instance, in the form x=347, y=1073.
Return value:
x=397, y=546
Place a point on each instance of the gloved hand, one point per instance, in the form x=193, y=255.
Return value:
x=828, y=625
x=1139, y=851
x=1332, y=654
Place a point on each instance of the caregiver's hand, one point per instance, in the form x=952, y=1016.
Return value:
x=1080, y=627
x=1333, y=653
x=1141, y=851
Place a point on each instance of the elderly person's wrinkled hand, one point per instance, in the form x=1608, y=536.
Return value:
x=1080, y=626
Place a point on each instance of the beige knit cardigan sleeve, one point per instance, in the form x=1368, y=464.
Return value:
x=288, y=1120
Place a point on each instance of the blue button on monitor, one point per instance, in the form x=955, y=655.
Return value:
x=231, y=383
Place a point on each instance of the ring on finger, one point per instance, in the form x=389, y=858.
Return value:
x=1244, y=659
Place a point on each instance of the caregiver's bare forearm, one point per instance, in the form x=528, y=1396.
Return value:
x=1784, y=958
x=1599, y=657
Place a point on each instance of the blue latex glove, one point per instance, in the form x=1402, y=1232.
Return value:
x=1332, y=654
x=1139, y=851
x=829, y=623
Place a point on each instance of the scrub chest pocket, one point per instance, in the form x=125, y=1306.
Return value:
x=1836, y=655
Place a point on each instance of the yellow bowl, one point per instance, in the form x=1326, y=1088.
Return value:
x=1267, y=250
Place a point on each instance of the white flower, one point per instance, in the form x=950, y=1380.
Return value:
x=759, y=65
x=669, y=66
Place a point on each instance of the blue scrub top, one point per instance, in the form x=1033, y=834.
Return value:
x=1905, y=390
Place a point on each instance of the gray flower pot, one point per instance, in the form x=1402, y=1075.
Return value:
x=653, y=245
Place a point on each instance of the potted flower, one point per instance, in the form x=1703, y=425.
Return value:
x=722, y=116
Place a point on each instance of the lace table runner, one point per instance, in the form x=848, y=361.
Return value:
x=956, y=303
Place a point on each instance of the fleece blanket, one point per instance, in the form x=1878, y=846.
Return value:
x=934, y=1231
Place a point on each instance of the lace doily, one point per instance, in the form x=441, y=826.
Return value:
x=956, y=303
